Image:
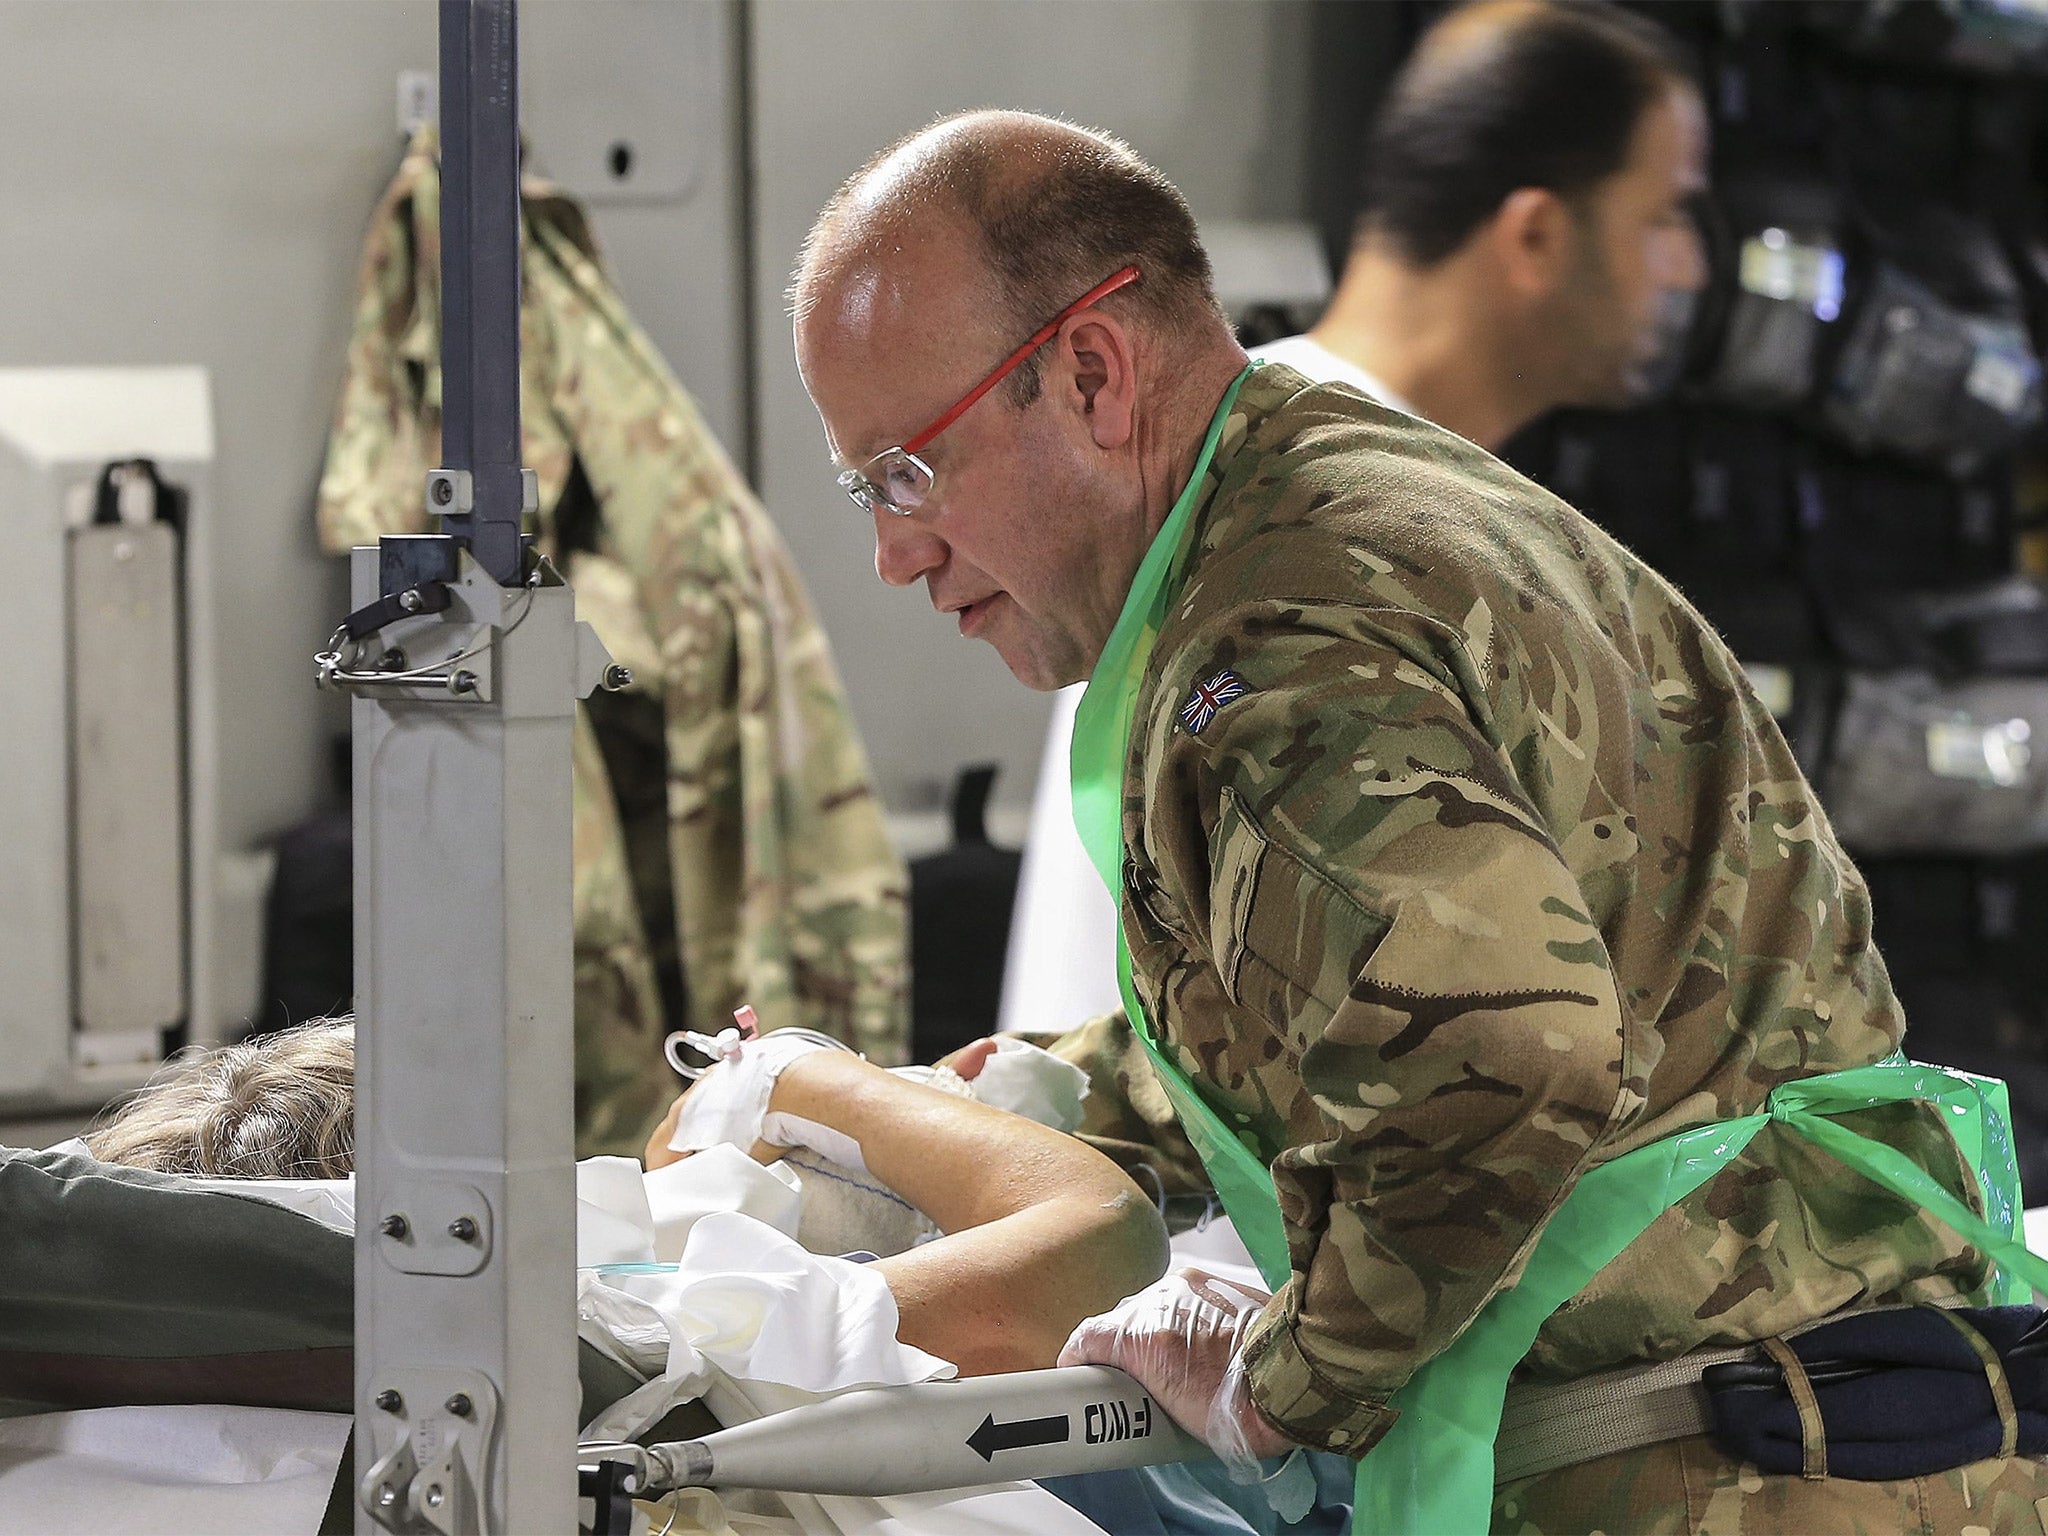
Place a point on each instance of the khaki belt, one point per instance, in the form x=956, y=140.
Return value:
x=1548, y=1425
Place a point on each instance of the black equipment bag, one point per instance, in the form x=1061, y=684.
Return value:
x=1935, y=364
x=1738, y=520
x=1626, y=471
x=1941, y=741
x=1960, y=939
x=1922, y=764
x=1872, y=526
x=1997, y=629
x=1780, y=286
x=309, y=927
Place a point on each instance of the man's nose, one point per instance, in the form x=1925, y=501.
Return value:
x=906, y=548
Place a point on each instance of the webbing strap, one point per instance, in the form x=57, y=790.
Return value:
x=1560, y=1424
x=2001, y=1388
x=1545, y=1425
x=1813, y=1430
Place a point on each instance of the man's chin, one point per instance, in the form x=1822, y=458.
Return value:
x=1630, y=385
x=1038, y=677
x=1041, y=674
x=1043, y=659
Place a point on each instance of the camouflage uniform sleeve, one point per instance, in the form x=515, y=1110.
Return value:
x=790, y=895
x=1126, y=1115
x=1440, y=1030
x=374, y=478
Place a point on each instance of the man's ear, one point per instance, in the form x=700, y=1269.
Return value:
x=1095, y=351
x=1534, y=236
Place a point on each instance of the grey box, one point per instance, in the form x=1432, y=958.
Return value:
x=127, y=788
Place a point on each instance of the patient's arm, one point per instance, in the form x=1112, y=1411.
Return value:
x=1041, y=1230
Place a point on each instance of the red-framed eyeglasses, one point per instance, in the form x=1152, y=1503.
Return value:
x=896, y=479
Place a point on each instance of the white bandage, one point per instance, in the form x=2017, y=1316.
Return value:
x=730, y=1101
x=1033, y=1083
x=785, y=1130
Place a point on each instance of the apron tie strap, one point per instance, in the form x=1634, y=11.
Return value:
x=1813, y=1434
x=1994, y=1372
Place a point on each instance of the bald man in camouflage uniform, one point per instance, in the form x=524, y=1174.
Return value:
x=1458, y=855
x=1496, y=870
x=744, y=846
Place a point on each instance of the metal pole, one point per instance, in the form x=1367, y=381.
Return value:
x=932, y=1435
x=480, y=282
x=466, y=1389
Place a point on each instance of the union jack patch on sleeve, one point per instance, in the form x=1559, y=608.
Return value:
x=1204, y=699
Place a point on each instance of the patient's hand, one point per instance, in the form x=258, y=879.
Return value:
x=745, y=1090
x=659, y=1153
x=967, y=1062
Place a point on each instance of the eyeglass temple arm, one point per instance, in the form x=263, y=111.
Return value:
x=1102, y=290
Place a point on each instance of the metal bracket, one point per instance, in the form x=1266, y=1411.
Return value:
x=607, y=1485
x=430, y=1227
x=447, y=650
x=431, y=1436
x=451, y=492
x=406, y=560
x=594, y=665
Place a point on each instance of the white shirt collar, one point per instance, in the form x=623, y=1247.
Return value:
x=1319, y=363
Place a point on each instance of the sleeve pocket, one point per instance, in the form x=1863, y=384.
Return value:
x=1310, y=935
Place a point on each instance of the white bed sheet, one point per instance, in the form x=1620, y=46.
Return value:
x=186, y=1470
x=748, y=1319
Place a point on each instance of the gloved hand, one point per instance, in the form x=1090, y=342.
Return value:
x=730, y=1104
x=1180, y=1337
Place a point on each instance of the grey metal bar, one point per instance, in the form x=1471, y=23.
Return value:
x=466, y=1389
x=883, y=1441
x=480, y=278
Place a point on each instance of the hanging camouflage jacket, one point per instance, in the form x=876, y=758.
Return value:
x=1460, y=858
x=785, y=889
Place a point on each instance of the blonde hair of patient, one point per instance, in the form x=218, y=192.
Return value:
x=282, y=1107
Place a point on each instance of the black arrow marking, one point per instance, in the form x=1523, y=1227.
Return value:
x=993, y=1437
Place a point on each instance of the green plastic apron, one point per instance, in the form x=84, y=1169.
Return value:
x=1433, y=1471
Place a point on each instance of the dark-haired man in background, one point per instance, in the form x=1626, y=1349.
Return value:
x=1526, y=240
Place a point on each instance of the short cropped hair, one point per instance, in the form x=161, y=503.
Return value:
x=1542, y=93
x=278, y=1107
x=1056, y=215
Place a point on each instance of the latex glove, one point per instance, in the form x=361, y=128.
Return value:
x=1180, y=1337
x=729, y=1104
